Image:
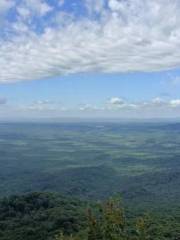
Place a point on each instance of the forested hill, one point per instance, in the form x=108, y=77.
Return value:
x=40, y=216
x=91, y=162
x=47, y=216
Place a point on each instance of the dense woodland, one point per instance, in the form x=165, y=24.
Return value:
x=45, y=216
x=39, y=216
x=52, y=176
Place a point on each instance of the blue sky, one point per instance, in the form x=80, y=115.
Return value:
x=94, y=88
x=106, y=58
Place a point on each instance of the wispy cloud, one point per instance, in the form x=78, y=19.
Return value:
x=116, y=101
x=157, y=103
x=5, y=6
x=113, y=36
x=113, y=107
x=113, y=104
x=40, y=106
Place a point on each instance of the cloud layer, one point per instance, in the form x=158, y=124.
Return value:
x=107, y=36
x=115, y=107
x=112, y=104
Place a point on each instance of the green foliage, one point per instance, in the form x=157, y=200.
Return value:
x=108, y=222
x=38, y=216
x=105, y=222
x=143, y=229
x=47, y=216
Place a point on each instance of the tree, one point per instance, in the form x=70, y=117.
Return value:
x=107, y=222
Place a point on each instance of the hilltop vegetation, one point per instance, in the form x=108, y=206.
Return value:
x=39, y=216
x=47, y=216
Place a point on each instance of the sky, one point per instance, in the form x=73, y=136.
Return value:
x=89, y=59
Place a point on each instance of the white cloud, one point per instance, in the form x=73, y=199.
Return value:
x=39, y=7
x=116, y=5
x=175, y=103
x=87, y=107
x=94, y=6
x=46, y=108
x=131, y=35
x=5, y=5
x=40, y=105
x=116, y=101
x=151, y=105
x=157, y=102
x=23, y=11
